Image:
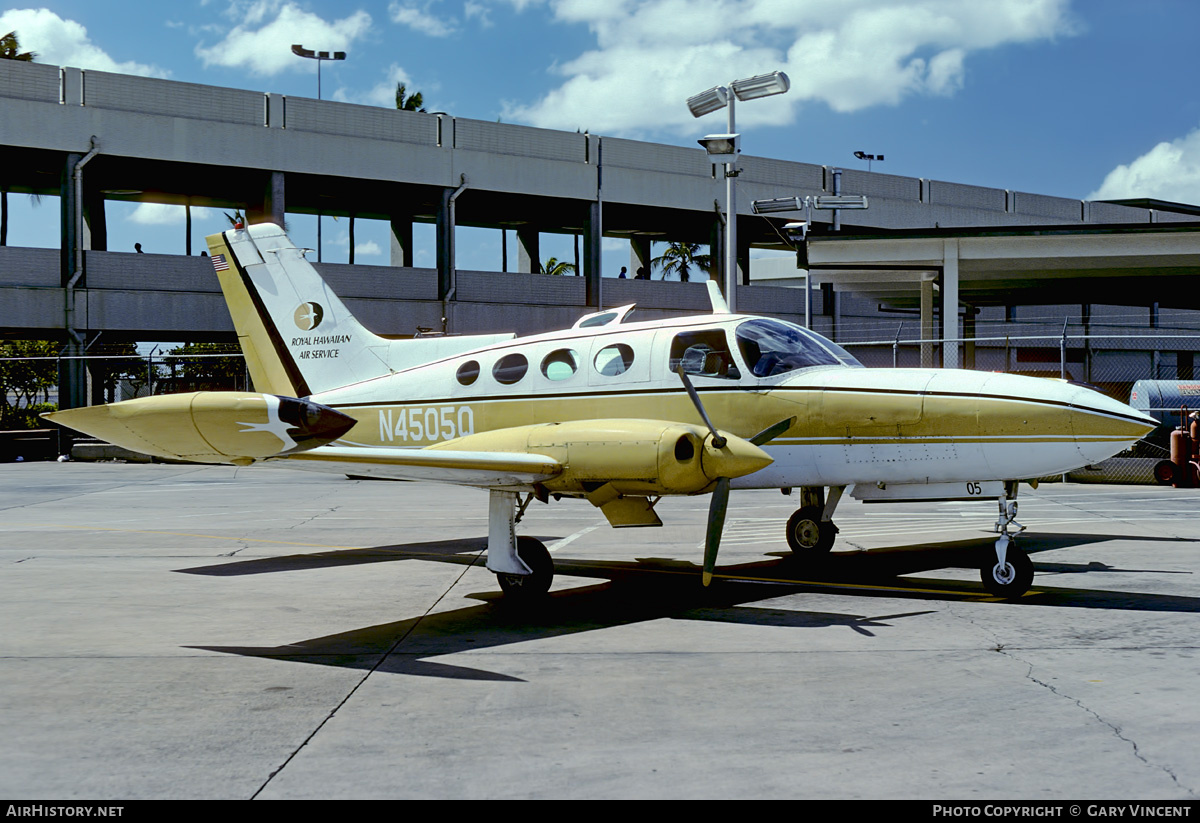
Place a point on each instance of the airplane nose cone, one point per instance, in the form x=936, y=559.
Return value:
x=736, y=458
x=1103, y=426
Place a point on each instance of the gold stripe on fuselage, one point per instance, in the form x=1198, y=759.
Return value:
x=823, y=416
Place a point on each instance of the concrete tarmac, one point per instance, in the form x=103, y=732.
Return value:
x=210, y=632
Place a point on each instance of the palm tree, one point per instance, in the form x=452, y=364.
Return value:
x=679, y=258
x=553, y=266
x=10, y=49
x=408, y=102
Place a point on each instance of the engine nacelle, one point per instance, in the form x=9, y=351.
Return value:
x=638, y=457
x=211, y=427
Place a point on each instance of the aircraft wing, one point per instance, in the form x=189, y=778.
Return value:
x=466, y=468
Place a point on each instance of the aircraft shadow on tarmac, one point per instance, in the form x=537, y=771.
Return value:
x=658, y=588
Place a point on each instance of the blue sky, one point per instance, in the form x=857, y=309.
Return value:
x=1091, y=98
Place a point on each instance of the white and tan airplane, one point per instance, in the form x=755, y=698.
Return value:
x=617, y=412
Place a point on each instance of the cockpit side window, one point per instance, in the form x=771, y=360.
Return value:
x=772, y=347
x=705, y=353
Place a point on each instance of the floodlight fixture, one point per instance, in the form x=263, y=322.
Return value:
x=300, y=51
x=762, y=85
x=320, y=57
x=840, y=201
x=709, y=101
x=777, y=205
x=721, y=148
x=862, y=155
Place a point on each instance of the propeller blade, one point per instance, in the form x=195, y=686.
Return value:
x=716, y=523
x=717, y=440
x=771, y=432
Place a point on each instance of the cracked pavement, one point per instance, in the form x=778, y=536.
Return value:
x=210, y=632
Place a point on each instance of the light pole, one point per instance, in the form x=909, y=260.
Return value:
x=862, y=155
x=724, y=148
x=834, y=202
x=319, y=56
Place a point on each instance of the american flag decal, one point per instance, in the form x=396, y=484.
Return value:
x=219, y=262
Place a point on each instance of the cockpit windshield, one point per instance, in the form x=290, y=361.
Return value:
x=772, y=347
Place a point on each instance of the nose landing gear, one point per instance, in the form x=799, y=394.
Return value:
x=1011, y=574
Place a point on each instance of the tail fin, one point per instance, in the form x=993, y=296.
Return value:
x=298, y=337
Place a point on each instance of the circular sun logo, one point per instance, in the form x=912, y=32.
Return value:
x=308, y=316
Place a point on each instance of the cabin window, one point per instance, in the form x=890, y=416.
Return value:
x=704, y=353
x=510, y=368
x=560, y=364
x=614, y=360
x=468, y=372
x=772, y=347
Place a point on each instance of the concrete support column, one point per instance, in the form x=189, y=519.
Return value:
x=402, y=241
x=950, y=357
x=529, y=252
x=272, y=208
x=639, y=255
x=591, y=256
x=926, y=324
x=445, y=244
x=95, y=227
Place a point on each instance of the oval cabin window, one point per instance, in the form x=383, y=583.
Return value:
x=468, y=372
x=510, y=368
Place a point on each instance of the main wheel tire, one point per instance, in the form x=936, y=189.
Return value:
x=536, y=556
x=1010, y=579
x=807, y=535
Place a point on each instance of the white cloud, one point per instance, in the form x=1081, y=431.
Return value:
x=473, y=10
x=369, y=248
x=651, y=55
x=263, y=37
x=1169, y=171
x=65, y=43
x=163, y=214
x=416, y=15
x=382, y=93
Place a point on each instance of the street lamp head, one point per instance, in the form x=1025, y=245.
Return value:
x=840, y=201
x=861, y=155
x=709, y=101
x=777, y=205
x=300, y=51
x=762, y=85
x=721, y=147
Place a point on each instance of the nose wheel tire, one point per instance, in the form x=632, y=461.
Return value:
x=525, y=587
x=808, y=535
x=1009, y=579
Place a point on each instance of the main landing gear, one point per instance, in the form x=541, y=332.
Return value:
x=1011, y=574
x=522, y=565
x=810, y=529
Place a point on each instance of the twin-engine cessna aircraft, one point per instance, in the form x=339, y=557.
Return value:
x=615, y=412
